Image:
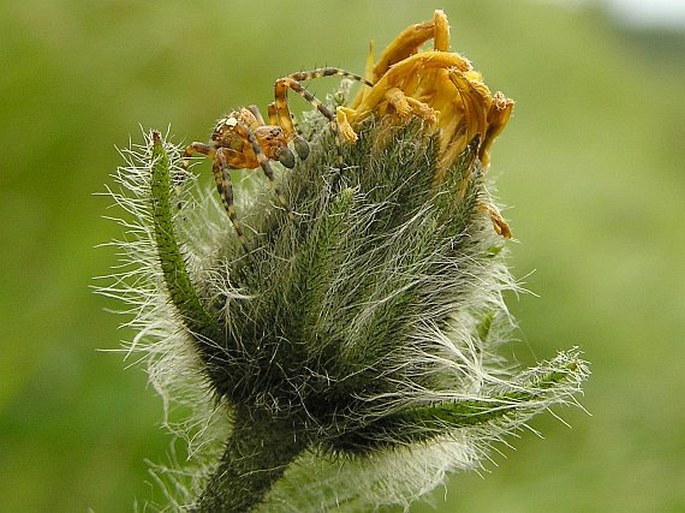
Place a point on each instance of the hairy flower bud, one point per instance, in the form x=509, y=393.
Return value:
x=351, y=340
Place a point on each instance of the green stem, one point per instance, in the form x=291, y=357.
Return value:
x=257, y=453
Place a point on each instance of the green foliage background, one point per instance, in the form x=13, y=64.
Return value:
x=591, y=165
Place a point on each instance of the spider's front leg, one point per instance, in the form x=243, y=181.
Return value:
x=196, y=147
x=279, y=112
x=300, y=143
x=192, y=149
x=284, y=118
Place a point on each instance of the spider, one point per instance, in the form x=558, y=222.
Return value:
x=243, y=140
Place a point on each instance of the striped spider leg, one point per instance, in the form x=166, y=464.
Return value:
x=242, y=139
x=280, y=114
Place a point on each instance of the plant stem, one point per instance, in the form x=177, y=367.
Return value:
x=257, y=453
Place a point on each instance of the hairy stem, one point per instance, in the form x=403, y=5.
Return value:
x=256, y=455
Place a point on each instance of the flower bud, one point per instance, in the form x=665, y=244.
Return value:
x=352, y=339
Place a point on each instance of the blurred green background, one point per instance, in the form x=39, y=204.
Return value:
x=590, y=167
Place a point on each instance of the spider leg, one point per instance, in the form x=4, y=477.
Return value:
x=301, y=76
x=192, y=149
x=222, y=177
x=271, y=112
x=180, y=175
x=258, y=115
x=281, y=113
x=300, y=143
x=196, y=147
x=405, y=106
x=265, y=164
